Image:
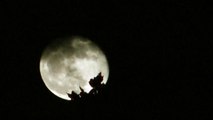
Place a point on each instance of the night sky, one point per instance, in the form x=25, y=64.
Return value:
x=159, y=53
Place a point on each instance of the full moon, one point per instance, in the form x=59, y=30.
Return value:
x=68, y=64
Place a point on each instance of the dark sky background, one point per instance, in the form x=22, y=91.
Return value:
x=159, y=54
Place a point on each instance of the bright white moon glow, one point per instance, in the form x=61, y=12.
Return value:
x=69, y=64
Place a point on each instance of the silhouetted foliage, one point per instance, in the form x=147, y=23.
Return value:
x=96, y=85
x=74, y=96
x=82, y=93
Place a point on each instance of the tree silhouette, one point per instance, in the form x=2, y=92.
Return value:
x=96, y=85
x=73, y=96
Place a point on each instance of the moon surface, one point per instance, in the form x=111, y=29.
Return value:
x=68, y=64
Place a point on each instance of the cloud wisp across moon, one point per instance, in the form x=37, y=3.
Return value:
x=69, y=64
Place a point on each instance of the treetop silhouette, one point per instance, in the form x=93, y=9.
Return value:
x=96, y=85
